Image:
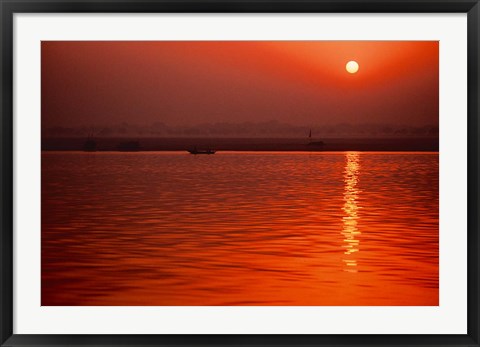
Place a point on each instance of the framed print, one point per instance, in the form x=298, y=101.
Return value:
x=239, y=173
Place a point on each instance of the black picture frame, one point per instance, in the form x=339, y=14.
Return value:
x=9, y=7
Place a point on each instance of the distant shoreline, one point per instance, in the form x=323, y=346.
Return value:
x=243, y=144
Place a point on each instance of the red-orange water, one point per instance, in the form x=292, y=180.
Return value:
x=170, y=228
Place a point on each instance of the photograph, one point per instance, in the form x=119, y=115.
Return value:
x=240, y=173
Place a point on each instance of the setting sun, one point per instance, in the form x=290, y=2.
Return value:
x=352, y=66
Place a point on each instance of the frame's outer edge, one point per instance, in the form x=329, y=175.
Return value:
x=242, y=6
x=9, y=7
x=6, y=174
x=473, y=172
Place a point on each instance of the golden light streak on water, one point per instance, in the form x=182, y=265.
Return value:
x=350, y=230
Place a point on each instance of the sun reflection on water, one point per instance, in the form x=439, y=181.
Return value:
x=350, y=229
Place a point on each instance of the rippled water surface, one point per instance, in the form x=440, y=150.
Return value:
x=252, y=228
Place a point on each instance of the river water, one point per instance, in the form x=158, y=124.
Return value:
x=240, y=228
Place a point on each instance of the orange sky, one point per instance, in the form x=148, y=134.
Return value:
x=298, y=82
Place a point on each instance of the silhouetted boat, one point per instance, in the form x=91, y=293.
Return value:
x=201, y=151
x=314, y=143
x=129, y=146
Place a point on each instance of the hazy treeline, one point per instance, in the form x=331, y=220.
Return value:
x=245, y=129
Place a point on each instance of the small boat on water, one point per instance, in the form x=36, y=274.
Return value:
x=201, y=151
x=314, y=143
